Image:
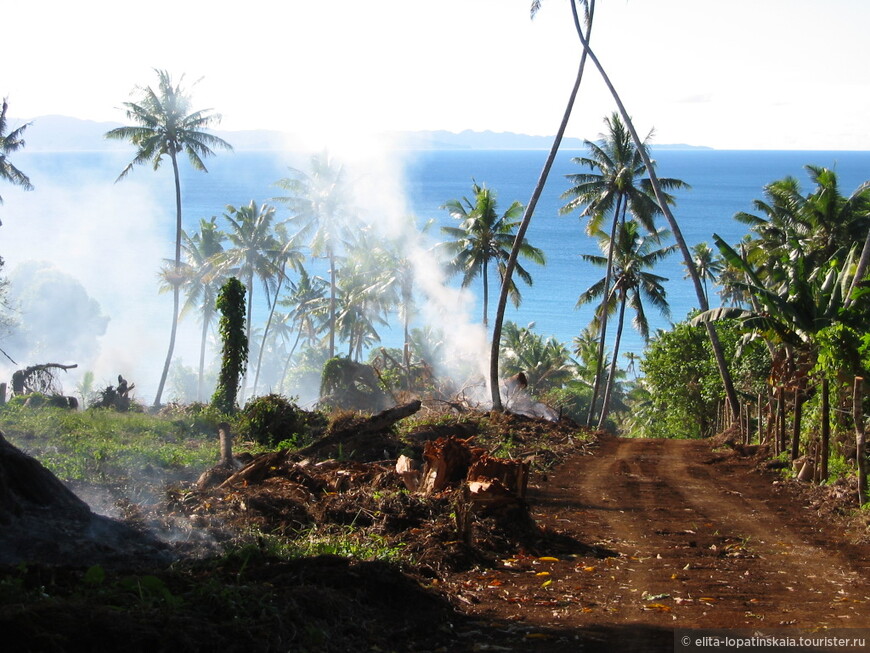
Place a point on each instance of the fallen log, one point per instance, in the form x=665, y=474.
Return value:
x=386, y=418
x=355, y=427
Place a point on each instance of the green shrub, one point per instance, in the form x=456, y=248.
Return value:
x=273, y=419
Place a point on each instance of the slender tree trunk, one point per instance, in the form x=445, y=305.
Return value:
x=407, y=292
x=206, y=318
x=798, y=419
x=602, y=331
x=266, y=330
x=826, y=430
x=860, y=439
x=331, y=304
x=527, y=218
x=860, y=270
x=486, y=295
x=605, y=405
x=780, y=435
x=675, y=229
x=175, y=285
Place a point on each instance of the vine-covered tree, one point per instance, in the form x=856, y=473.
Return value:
x=166, y=126
x=234, y=354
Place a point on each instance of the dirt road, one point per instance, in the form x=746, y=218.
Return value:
x=686, y=537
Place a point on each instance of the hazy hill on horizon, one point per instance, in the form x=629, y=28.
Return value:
x=55, y=133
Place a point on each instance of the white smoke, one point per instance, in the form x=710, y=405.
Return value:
x=111, y=239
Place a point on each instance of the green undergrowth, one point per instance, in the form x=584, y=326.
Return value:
x=99, y=445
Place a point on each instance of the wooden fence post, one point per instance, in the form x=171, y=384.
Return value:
x=860, y=439
x=826, y=431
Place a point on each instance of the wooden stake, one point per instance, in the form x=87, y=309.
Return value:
x=860, y=439
x=826, y=431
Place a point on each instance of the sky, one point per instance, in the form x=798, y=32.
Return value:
x=743, y=74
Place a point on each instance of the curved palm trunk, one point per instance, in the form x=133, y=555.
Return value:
x=860, y=270
x=266, y=330
x=331, y=304
x=524, y=224
x=715, y=345
x=175, y=286
x=605, y=405
x=485, y=295
x=206, y=319
x=602, y=331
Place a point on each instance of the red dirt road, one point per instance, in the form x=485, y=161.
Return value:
x=687, y=537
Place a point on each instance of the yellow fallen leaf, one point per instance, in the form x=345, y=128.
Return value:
x=660, y=607
x=548, y=559
x=589, y=569
x=674, y=577
x=543, y=573
x=546, y=582
x=586, y=610
x=707, y=599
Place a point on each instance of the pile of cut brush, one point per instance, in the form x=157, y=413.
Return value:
x=440, y=492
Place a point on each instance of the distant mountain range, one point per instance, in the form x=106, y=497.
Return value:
x=62, y=133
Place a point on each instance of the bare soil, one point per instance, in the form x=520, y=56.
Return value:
x=688, y=537
x=622, y=542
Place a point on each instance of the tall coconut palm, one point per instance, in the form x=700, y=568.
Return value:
x=615, y=186
x=485, y=237
x=510, y=265
x=166, y=126
x=309, y=304
x=10, y=143
x=319, y=203
x=202, y=281
x=633, y=255
x=715, y=344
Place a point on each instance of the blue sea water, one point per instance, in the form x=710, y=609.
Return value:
x=722, y=183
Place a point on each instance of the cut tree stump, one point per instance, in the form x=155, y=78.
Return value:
x=512, y=474
x=447, y=461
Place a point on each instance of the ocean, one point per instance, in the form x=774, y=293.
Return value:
x=722, y=184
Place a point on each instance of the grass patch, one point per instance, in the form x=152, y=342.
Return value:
x=104, y=445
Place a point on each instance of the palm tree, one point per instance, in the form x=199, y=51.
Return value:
x=708, y=265
x=287, y=254
x=165, y=126
x=546, y=364
x=589, y=6
x=308, y=303
x=715, y=344
x=319, y=204
x=202, y=281
x=253, y=251
x=633, y=255
x=615, y=185
x=10, y=143
x=483, y=237
x=823, y=224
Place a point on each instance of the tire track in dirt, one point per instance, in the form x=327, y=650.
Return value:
x=698, y=539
